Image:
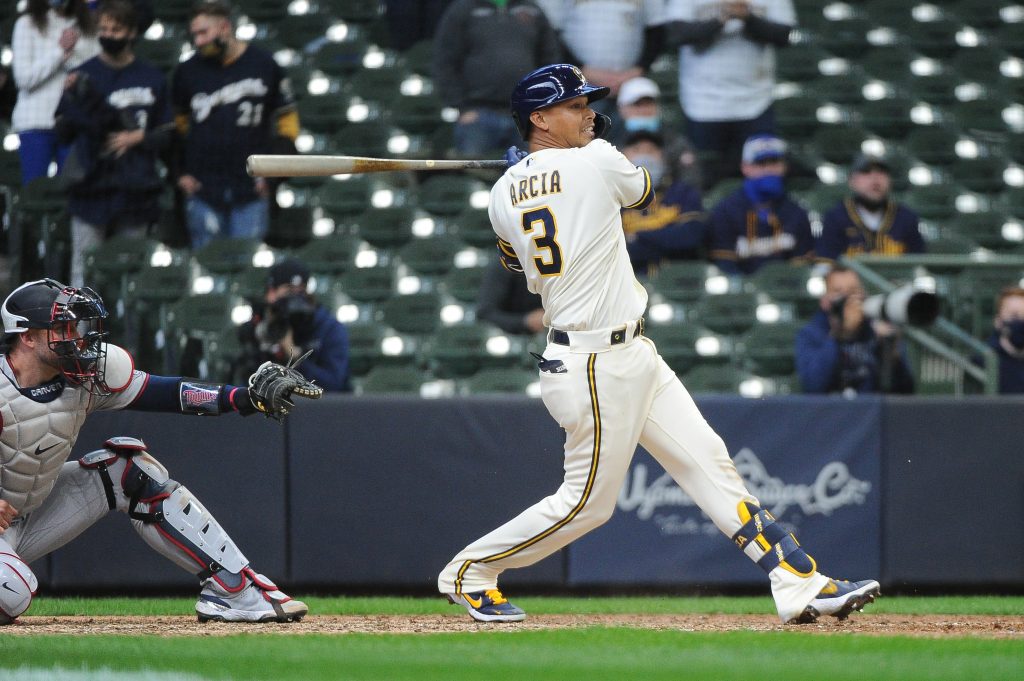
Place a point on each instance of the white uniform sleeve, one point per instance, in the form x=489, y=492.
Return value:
x=630, y=185
x=123, y=379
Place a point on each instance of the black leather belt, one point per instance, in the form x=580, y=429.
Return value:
x=618, y=337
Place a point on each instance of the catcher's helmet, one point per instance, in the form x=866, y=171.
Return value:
x=74, y=320
x=549, y=85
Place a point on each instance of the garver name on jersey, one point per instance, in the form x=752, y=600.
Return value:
x=533, y=186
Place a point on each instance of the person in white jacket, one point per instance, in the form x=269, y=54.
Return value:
x=51, y=38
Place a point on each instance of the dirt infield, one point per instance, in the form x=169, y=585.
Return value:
x=1007, y=627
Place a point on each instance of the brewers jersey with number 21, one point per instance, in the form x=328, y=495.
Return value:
x=568, y=234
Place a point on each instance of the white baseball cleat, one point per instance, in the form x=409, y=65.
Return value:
x=839, y=598
x=259, y=601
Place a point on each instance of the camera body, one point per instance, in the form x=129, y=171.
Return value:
x=290, y=313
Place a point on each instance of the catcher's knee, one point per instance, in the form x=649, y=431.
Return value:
x=167, y=509
x=18, y=585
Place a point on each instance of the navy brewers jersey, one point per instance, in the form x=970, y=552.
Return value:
x=125, y=187
x=744, y=236
x=232, y=109
x=845, y=233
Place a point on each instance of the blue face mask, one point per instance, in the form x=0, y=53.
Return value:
x=1013, y=331
x=645, y=123
x=764, y=188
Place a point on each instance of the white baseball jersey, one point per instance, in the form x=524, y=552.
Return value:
x=606, y=34
x=567, y=233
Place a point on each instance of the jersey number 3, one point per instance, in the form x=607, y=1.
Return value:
x=549, y=264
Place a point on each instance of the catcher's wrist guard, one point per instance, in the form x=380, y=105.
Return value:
x=272, y=385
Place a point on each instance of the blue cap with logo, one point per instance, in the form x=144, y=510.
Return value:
x=763, y=148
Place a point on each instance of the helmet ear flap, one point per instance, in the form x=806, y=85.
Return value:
x=602, y=124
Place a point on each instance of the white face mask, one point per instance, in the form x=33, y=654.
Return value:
x=654, y=165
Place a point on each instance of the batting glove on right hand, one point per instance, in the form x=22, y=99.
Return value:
x=514, y=155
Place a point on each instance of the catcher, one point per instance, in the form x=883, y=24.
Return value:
x=57, y=369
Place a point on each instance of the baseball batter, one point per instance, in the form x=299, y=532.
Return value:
x=56, y=370
x=557, y=216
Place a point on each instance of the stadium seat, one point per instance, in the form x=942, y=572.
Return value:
x=840, y=144
x=369, y=284
x=303, y=32
x=290, y=227
x=684, y=345
x=989, y=229
x=431, y=256
x=359, y=11
x=786, y=283
x=844, y=88
x=981, y=64
x=417, y=115
x=823, y=197
x=727, y=313
x=372, y=344
x=683, y=281
x=508, y=380
x=331, y=255
x=387, y=227
x=463, y=283
x=324, y=113
x=981, y=174
x=799, y=62
x=888, y=117
x=848, y=37
x=382, y=84
x=937, y=88
x=1012, y=201
x=263, y=11
x=448, y=194
x=933, y=144
x=340, y=59
x=933, y=202
x=463, y=349
x=707, y=379
x=173, y=11
x=109, y=264
x=984, y=115
x=229, y=255
x=370, y=138
x=473, y=226
x=165, y=53
x=346, y=197
x=10, y=169
x=979, y=13
x=889, y=63
x=769, y=349
x=392, y=380
x=977, y=289
x=797, y=115
x=933, y=38
x=414, y=313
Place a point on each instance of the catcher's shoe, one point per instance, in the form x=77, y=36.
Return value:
x=259, y=601
x=488, y=606
x=839, y=598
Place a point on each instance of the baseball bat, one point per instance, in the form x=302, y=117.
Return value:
x=271, y=165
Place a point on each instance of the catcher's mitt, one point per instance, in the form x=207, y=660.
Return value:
x=272, y=385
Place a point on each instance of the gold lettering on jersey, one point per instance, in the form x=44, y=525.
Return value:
x=535, y=186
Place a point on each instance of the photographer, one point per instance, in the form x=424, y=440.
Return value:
x=841, y=350
x=291, y=323
x=116, y=116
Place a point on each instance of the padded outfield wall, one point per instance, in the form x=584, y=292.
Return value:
x=378, y=493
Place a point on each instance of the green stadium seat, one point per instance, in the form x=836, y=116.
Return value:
x=981, y=174
x=840, y=144
x=848, y=37
x=10, y=169
x=372, y=344
x=463, y=349
x=418, y=313
x=823, y=197
x=933, y=144
x=977, y=289
x=933, y=202
x=448, y=194
x=323, y=113
x=682, y=281
x=888, y=117
x=934, y=38
x=508, y=380
x=989, y=229
x=229, y=255
x=982, y=14
x=1012, y=201
x=706, y=379
x=392, y=380
x=346, y=197
x=950, y=243
x=290, y=227
x=787, y=283
x=463, y=283
x=263, y=11
x=844, y=88
x=769, y=349
x=340, y=59
x=799, y=62
x=937, y=88
x=983, y=115
x=473, y=226
x=417, y=115
x=302, y=31
x=727, y=313
x=797, y=115
x=380, y=84
x=431, y=256
x=173, y=11
x=369, y=284
x=331, y=255
x=889, y=63
x=369, y=138
x=387, y=227
x=357, y=11
x=981, y=64
x=165, y=53
x=684, y=345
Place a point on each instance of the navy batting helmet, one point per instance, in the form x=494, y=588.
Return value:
x=549, y=85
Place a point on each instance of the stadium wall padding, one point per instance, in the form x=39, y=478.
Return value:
x=379, y=492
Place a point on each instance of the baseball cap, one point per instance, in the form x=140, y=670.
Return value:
x=865, y=162
x=635, y=89
x=288, y=271
x=763, y=147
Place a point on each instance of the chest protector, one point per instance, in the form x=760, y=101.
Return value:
x=39, y=431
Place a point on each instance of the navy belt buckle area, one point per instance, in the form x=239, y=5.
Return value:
x=618, y=336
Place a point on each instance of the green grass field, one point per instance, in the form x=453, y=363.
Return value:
x=494, y=652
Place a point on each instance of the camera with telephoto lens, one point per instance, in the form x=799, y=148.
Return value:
x=905, y=305
x=294, y=312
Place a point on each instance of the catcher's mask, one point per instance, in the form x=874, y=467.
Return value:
x=73, y=318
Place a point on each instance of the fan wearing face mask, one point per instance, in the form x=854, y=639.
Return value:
x=870, y=220
x=230, y=100
x=50, y=39
x=672, y=227
x=116, y=117
x=1007, y=339
x=758, y=222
